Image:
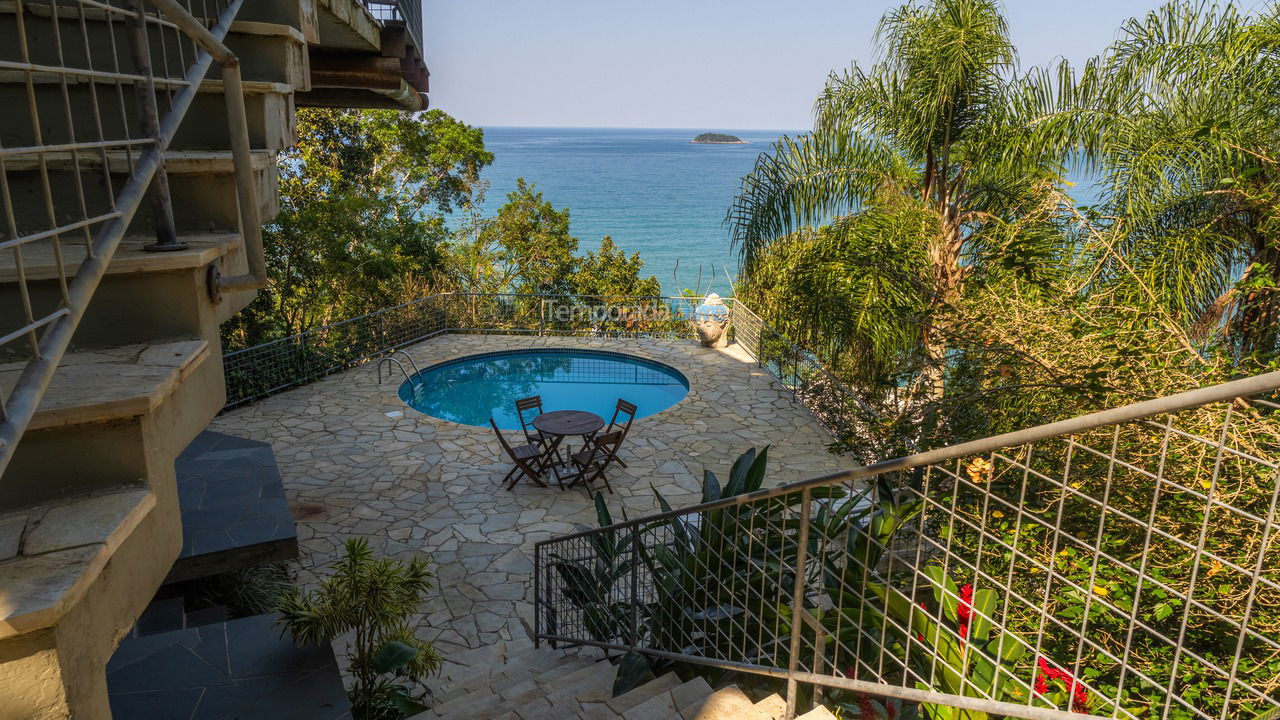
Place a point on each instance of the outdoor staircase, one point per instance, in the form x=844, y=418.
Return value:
x=89, y=505
x=546, y=684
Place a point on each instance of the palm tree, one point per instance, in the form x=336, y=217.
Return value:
x=1181, y=117
x=918, y=178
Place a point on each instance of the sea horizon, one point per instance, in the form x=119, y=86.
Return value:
x=650, y=189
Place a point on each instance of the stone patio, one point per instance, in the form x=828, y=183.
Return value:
x=356, y=461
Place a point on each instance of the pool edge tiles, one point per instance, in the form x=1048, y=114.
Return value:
x=467, y=390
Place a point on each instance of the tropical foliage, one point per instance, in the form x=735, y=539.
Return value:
x=914, y=182
x=921, y=253
x=744, y=615
x=1179, y=116
x=527, y=248
x=369, y=602
x=936, y=262
x=380, y=208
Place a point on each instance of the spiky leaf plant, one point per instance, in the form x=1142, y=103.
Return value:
x=370, y=600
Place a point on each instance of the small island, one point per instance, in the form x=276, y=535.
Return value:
x=718, y=139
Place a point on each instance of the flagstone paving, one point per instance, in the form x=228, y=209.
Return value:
x=415, y=485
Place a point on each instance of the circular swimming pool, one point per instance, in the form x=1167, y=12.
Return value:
x=469, y=390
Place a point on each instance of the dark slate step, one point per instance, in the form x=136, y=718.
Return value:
x=236, y=670
x=208, y=616
x=162, y=615
x=234, y=510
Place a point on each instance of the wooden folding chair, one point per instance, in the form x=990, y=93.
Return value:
x=528, y=460
x=528, y=409
x=622, y=408
x=591, y=463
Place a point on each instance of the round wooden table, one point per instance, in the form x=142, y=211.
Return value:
x=559, y=425
x=568, y=422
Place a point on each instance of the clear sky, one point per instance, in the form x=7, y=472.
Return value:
x=692, y=63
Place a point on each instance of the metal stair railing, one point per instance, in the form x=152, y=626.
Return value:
x=407, y=11
x=171, y=49
x=1124, y=563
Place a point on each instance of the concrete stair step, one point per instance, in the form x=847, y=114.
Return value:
x=658, y=707
x=536, y=697
x=489, y=692
x=120, y=162
x=541, y=662
x=101, y=385
x=300, y=14
x=730, y=703
x=773, y=707
x=51, y=554
x=269, y=109
x=267, y=51
x=664, y=684
x=593, y=687
x=108, y=414
x=201, y=182
x=39, y=261
x=133, y=276
x=690, y=696
x=545, y=684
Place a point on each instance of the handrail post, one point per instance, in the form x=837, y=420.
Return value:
x=158, y=193
x=537, y=596
x=797, y=602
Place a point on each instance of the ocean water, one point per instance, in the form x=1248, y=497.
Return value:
x=652, y=190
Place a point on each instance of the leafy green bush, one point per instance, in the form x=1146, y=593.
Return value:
x=372, y=600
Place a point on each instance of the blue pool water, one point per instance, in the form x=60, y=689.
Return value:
x=471, y=389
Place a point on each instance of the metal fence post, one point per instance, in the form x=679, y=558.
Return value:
x=537, y=596
x=797, y=602
x=635, y=588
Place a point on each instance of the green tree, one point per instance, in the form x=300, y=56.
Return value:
x=1180, y=116
x=922, y=179
x=363, y=197
x=533, y=242
x=527, y=247
x=612, y=272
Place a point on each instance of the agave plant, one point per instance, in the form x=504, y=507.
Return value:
x=589, y=584
x=718, y=574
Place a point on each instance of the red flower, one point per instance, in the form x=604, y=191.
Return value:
x=868, y=712
x=1076, y=689
x=920, y=636
x=964, y=612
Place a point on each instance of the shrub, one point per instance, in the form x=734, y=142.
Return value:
x=372, y=599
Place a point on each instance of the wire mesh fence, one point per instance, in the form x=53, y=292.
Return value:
x=1123, y=564
x=262, y=370
x=269, y=368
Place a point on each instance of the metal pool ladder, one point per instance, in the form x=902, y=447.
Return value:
x=390, y=360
